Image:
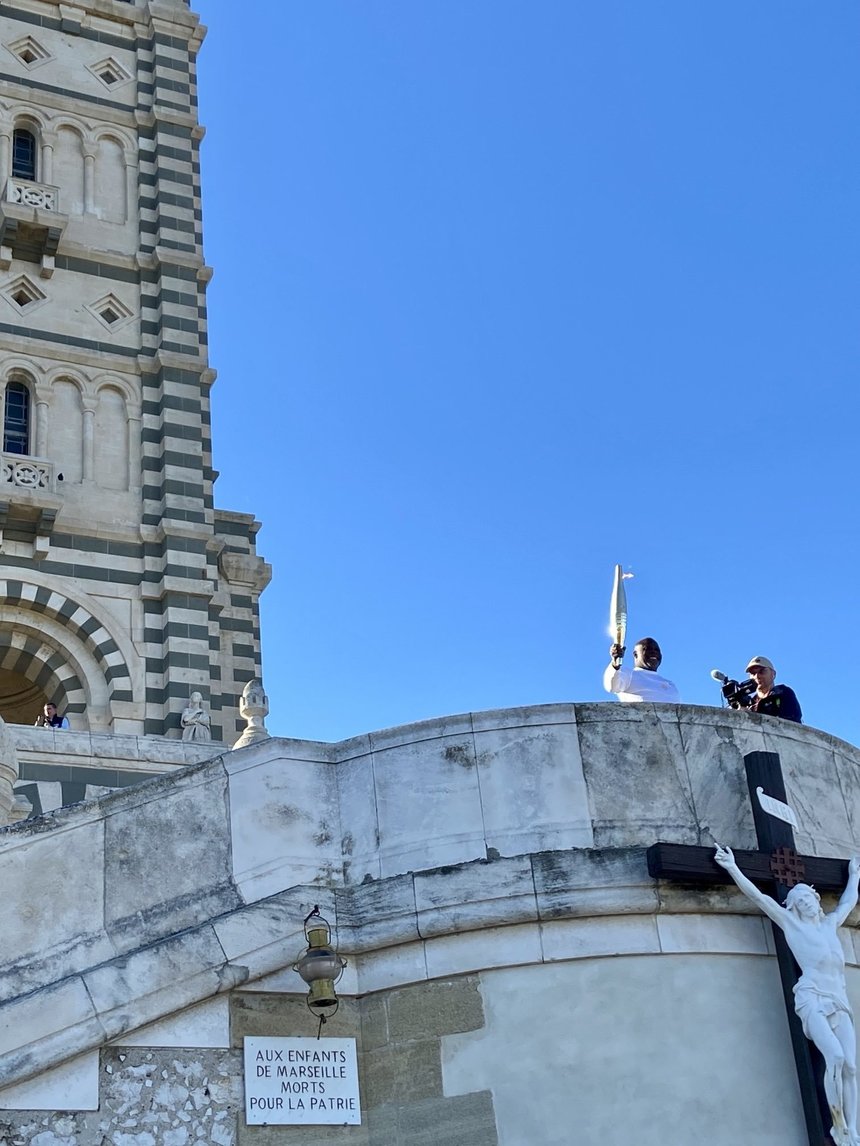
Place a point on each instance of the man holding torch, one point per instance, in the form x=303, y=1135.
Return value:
x=642, y=683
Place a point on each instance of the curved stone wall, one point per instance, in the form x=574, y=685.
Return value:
x=503, y=848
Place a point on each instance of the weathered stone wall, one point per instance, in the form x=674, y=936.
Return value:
x=150, y=908
x=158, y=1097
x=58, y=768
x=194, y=1096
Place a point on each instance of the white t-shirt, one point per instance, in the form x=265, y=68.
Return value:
x=637, y=685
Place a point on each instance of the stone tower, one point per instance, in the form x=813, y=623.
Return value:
x=122, y=587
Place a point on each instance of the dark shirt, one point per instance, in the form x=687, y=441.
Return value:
x=780, y=701
x=55, y=721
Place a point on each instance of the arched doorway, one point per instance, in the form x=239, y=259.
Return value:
x=21, y=700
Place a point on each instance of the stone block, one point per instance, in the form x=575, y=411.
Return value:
x=528, y=716
x=715, y=743
x=533, y=793
x=47, y=1027
x=723, y=900
x=353, y=748
x=148, y=984
x=167, y=856
x=467, y=1118
x=359, y=842
x=458, y=725
x=391, y=967
x=374, y=1022
x=115, y=747
x=440, y=1007
x=381, y=1125
x=377, y=913
x=568, y=939
x=50, y=905
x=474, y=950
x=408, y=1072
x=304, y=1135
x=479, y=894
x=206, y=1025
x=73, y=1085
x=284, y=821
x=593, y=882
x=636, y=772
x=428, y=803
x=262, y=935
x=738, y=934
x=812, y=782
x=258, y=1015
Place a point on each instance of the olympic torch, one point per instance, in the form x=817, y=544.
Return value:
x=618, y=611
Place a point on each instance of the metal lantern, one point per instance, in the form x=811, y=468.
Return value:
x=320, y=965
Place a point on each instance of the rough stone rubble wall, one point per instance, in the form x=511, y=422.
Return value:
x=194, y=1097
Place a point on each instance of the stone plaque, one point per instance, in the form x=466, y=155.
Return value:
x=301, y=1081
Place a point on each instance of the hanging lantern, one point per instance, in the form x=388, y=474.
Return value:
x=320, y=965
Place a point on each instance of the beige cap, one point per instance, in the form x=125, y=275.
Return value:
x=763, y=662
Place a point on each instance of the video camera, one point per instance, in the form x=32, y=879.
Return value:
x=737, y=694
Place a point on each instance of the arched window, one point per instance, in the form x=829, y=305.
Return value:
x=16, y=419
x=23, y=154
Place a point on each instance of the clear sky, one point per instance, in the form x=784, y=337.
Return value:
x=507, y=291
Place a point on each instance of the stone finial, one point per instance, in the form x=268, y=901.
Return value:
x=254, y=708
x=8, y=774
x=195, y=719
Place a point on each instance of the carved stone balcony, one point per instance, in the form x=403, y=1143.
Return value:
x=31, y=225
x=28, y=500
x=26, y=472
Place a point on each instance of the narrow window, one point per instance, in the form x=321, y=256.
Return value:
x=16, y=419
x=23, y=154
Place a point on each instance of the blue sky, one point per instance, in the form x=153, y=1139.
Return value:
x=506, y=292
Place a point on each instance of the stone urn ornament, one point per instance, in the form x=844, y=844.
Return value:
x=253, y=708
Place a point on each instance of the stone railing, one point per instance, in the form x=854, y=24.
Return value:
x=26, y=473
x=29, y=194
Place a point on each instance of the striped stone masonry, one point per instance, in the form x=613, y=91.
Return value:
x=129, y=589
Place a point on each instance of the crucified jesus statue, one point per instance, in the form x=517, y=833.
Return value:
x=820, y=994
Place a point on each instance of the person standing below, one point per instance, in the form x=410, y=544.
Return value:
x=642, y=683
x=50, y=718
x=772, y=699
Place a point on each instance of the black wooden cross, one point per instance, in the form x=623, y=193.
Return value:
x=776, y=866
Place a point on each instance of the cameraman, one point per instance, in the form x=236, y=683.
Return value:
x=771, y=699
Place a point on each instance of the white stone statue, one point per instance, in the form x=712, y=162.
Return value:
x=195, y=719
x=254, y=708
x=820, y=994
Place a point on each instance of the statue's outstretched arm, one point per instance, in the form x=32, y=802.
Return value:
x=725, y=858
x=848, y=899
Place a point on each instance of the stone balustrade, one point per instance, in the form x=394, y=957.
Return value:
x=27, y=472
x=29, y=194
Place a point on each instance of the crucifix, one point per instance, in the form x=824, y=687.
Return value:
x=809, y=957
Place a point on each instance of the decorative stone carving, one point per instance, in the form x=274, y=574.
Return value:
x=254, y=708
x=820, y=994
x=195, y=719
x=32, y=194
x=28, y=473
x=245, y=569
